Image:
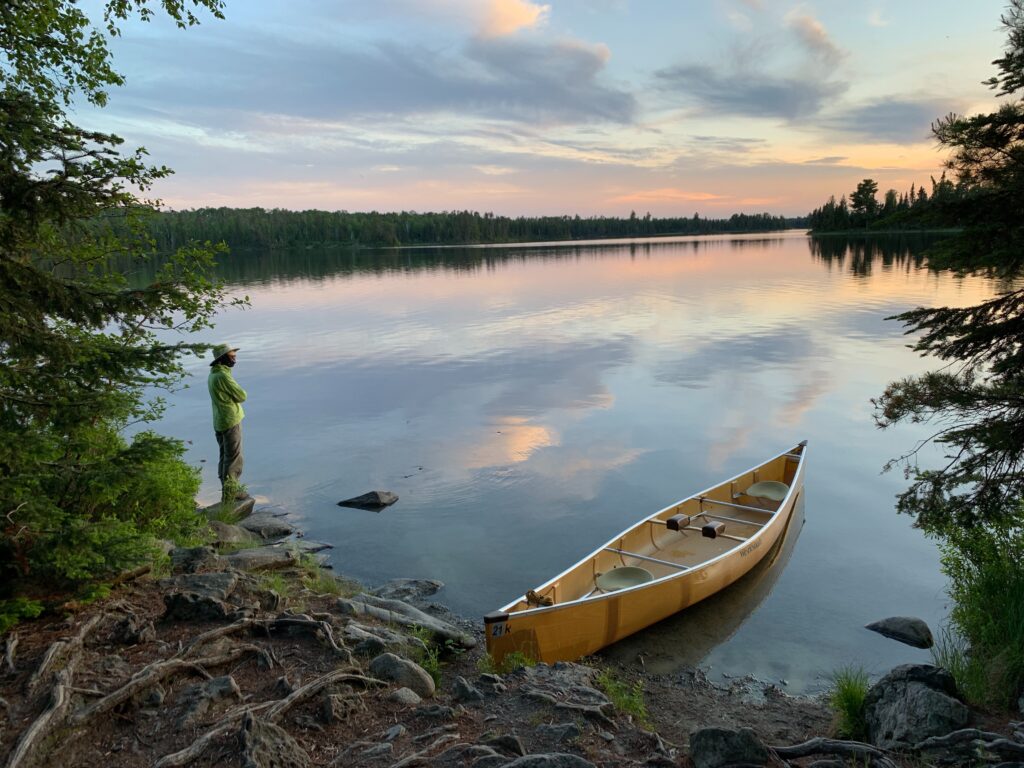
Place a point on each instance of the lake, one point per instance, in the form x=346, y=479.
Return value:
x=528, y=402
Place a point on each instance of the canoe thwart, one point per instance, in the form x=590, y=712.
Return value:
x=712, y=530
x=648, y=559
x=620, y=578
x=677, y=522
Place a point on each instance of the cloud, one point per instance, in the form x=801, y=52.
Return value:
x=893, y=119
x=503, y=17
x=749, y=93
x=830, y=160
x=814, y=36
x=662, y=195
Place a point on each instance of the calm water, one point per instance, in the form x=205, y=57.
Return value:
x=527, y=403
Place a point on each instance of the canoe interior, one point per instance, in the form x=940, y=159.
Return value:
x=651, y=540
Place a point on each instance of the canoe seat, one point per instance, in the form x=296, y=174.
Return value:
x=772, y=490
x=620, y=578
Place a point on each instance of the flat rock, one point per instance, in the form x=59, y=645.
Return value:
x=718, y=747
x=373, y=501
x=407, y=589
x=262, y=559
x=268, y=524
x=905, y=629
x=310, y=546
x=404, y=672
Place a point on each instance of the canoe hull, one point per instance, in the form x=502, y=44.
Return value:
x=565, y=632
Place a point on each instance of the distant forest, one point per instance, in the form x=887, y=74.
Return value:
x=275, y=228
x=916, y=209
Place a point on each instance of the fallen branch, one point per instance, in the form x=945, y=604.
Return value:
x=274, y=711
x=65, y=648
x=60, y=696
x=10, y=645
x=154, y=673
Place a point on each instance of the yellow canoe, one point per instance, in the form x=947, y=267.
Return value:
x=659, y=566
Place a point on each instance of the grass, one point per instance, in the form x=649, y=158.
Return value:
x=430, y=656
x=511, y=662
x=626, y=698
x=321, y=581
x=277, y=582
x=849, y=687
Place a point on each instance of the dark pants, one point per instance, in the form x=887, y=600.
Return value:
x=230, y=443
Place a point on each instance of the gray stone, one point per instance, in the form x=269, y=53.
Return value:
x=910, y=704
x=192, y=559
x=508, y=743
x=216, y=585
x=336, y=708
x=265, y=745
x=198, y=697
x=373, y=500
x=491, y=684
x=552, y=760
x=717, y=747
x=371, y=646
x=222, y=688
x=153, y=697
x=133, y=630
x=267, y=525
x=560, y=732
x=188, y=606
x=394, y=732
x=310, y=546
x=242, y=508
x=490, y=761
x=407, y=589
x=262, y=559
x=230, y=534
x=404, y=672
x=463, y=691
x=905, y=629
x=378, y=750
x=406, y=697
x=438, y=712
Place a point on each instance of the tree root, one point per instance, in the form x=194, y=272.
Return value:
x=971, y=740
x=10, y=646
x=60, y=697
x=322, y=628
x=418, y=758
x=835, y=747
x=213, y=634
x=273, y=712
x=63, y=649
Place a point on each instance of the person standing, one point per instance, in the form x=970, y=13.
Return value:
x=227, y=398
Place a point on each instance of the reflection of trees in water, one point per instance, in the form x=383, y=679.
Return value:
x=248, y=267
x=861, y=253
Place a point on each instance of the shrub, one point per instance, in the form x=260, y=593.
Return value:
x=849, y=687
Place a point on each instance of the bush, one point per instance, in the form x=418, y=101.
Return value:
x=849, y=687
x=985, y=644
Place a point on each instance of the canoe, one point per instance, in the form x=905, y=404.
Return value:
x=664, y=563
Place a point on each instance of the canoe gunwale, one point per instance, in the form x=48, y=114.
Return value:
x=764, y=527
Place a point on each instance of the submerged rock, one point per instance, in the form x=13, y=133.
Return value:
x=374, y=501
x=905, y=629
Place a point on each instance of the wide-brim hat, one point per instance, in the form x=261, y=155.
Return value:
x=222, y=349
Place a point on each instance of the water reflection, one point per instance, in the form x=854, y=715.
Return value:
x=907, y=250
x=685, y=639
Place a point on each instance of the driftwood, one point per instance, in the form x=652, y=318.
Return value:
x=65, y=649
x=10, y=646
x=154, y=673
x=273, y=712
x=60, y=697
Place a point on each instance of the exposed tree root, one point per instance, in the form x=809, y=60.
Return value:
x=60, y=697
x=10, y=646
x=213, y=634
x=836, y=747
x=322, y=628
x=65, y=649
x=418, y=758
x=971, y=741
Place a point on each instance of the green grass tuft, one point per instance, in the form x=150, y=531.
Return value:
x=849, y=687
x=626, y=698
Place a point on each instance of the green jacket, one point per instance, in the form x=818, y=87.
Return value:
x=227, y=398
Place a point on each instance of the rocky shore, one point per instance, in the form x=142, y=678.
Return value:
x=248, y=653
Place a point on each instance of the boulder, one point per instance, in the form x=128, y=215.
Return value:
x=508, y=743
x=717, y=747
x=910, y=704
x=230, y=534
x=188, y=606
x=262, y=559
x=216, y=585
x=905, y=629
x=406, y=697
x=405, y=673
x=374, y=501
x=407, y=589
x=192, y=559
x=268, y=525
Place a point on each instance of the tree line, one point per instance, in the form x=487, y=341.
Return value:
x=277, y=228
x=913, y=209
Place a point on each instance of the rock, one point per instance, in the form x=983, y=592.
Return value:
x=378, y=750
x=230, y=534
x=438, y=711
x=491, y=761
x=153, y=697
x=262, y=559
x=717, y=747
x=465, y=692
x=406, y=697
x=265, y=745
x=406, y=673
x=222, y=687
x=492, y=684
x=394, y=732
x=553, y=760
x=407, y=589
x=188, y=606
x=906, y=629
x=336, y=708
x=374, y=501
x=242, y=508
x=199, y=697
x=192, y=559
x=509, y=743
x=559, y=733
x=1020, y=704
x=133, y=630
x=267, y=525
x=310, y=546
x=398, y=612
x=910, y=704
x=216, y=585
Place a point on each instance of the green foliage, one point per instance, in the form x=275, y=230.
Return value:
x=849, y=687
x=13, y=611
x=512, y=662
x=985, y=566
x=322, y=581
x=968, y=670
x=276, y=582
x=626, y=698
x=80, y=350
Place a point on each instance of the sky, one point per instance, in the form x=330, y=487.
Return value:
x=517, y=107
